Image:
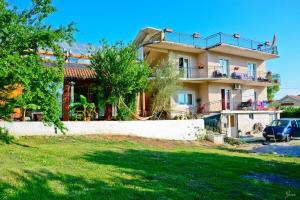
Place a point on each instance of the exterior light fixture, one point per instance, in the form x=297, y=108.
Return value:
x=196, y=35
x=168, y=30
x=236, y=35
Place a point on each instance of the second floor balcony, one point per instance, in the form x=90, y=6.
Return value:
x=214, y=73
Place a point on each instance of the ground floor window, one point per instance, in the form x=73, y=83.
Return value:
x=185, y=98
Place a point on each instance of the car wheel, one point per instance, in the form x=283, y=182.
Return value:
x=268, y=139
x=288, y=138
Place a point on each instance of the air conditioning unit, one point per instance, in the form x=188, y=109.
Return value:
x=237, y=86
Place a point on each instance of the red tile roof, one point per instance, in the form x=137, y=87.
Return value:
x=296, y=97
x=78, y=71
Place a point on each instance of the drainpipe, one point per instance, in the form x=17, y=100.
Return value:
x=143, y=104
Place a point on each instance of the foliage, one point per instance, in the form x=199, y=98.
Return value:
x=290, y=112
x=274, y=105
x=88, y=108
x=272, y=90
x=165, y=84
x=124, y=112
x=29, y=107
x=120, y=75
x=5, y=136
x=233, y=141
x=22, y=34
x=94, y=167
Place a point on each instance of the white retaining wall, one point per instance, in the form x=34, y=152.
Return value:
x=161, y=129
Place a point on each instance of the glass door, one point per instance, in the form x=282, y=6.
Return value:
x=226, y=99
x=252, y=71
x=184, y=67
x=224, y=64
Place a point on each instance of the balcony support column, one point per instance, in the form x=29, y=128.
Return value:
x=66, y=100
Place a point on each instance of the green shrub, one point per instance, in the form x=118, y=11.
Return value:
x=290, y=112
x=5, y=136
x=232, y=141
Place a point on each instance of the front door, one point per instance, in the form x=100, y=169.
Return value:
x=233, y=126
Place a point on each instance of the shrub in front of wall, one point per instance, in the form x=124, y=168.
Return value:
x=232, y=141
x=5, y=136
x=290, y=112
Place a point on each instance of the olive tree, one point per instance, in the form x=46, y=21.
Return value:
x=163, y=87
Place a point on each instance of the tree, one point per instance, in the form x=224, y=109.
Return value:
x=272, y=90
x=120, y=77
x=165, y=84
x=23, y=33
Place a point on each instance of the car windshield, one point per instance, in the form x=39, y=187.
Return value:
x=281, y=123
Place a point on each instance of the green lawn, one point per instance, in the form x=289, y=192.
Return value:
x=125, y=168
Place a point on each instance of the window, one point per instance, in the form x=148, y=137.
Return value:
x=298, y=123
x=251, y=116
x=281, y=123
x=224, y=64
x=185, y=99
x=252, y=70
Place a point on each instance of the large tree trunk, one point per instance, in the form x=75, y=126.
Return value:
x=108, y=112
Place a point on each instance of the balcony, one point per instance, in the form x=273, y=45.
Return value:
x=225, y=43
x=214, y=74
x=234, y=40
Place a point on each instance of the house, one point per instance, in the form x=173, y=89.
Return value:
x=290, y=100
x=223, y=74
x=79, y=79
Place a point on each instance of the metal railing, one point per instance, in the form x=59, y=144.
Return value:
x=196, y=72
x=218, y=39
x=232, y=104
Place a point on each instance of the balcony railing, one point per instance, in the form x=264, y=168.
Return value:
x=222, y=105
x=218, y=39
x=260, y=76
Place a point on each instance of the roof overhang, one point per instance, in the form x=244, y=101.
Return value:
x=176, y=47
x=145, y=34
x=244, y=52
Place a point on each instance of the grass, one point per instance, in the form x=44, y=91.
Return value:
x=97, y=167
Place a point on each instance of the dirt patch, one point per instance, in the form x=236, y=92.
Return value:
x=158, y=142
x=274, y=179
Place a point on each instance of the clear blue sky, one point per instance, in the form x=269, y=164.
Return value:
x=255, y=19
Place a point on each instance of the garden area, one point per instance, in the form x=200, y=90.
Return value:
x=120, y=167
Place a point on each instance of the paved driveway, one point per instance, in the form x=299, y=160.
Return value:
x=281, y=148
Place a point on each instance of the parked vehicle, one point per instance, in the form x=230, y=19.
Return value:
x=282, y=129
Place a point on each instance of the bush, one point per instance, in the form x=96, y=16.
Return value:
x=232, y=141
x=290, y=112
x=5, y=136
x=201, y=133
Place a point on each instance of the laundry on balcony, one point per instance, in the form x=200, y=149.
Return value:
x=239, y=75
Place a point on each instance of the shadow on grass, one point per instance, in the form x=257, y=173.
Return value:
x=193, y=175
x=44, y=184
x=146, y=174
